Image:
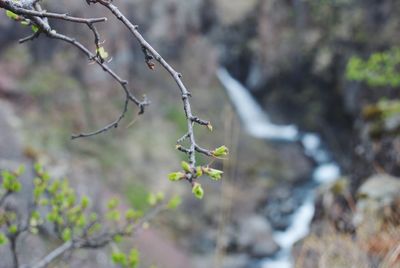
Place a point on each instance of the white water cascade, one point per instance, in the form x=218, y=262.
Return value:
x=255, y=120
x=257, y=124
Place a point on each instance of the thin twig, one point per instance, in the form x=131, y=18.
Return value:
x=54, y=254
x=98, y=242
x=150, y=53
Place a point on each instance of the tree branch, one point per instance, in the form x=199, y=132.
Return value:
x=151, y=53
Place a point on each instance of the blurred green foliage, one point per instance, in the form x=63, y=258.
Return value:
x=46, y=80
x=137, y=195
x=380, y=69
x=174, y=114
x=58, y=204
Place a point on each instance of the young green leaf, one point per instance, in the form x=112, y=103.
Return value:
x=102, y=53
x=12, y=15
x=186, y=166
x=3, y=239
x=133, y=258
x=199, y=172
x=13, y=229
x=197, y=190
x=34, y=28
x=117, y=239
x=66, y=234
x=152, y=199
x=214, y=174
x=85, y=202
x=220, y=151
x=174, y=202
x=119, y=258
x=112, y=203
x=132, y=215
x=176, y=176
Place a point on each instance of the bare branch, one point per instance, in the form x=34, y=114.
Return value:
x=150, y=53
x=19, y=10
x=54, y=254
x=98, y=242
x=29, y=38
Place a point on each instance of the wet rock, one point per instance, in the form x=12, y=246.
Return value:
x=255, y=236
x=382, y=188
x=236, y=261
x=299, y=167
x=264, y=248
x=281, y=203
x=233, y=13
x=374, y=195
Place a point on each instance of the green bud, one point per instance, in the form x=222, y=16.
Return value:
x=13, y=229
x=160, y=196
x=174, y=202
x=112, y=203
x=38, y=168
x=66, y=234
x=114, y=215
x=3, y=239
x=214, y=174
x=220, y=151
x=8, y=181
x=59, y=220
x=199, y=172
x=133, y=258
x=12, y=15
x=152, y=199
x=102, y=52
x=81, y=221
x=71, y=198
x=35, y=215
x=34, y=28
x=85, y=202
x=117, y=239
x=54, y=187
x=24, y=22
x=186, y=166
x=37, y=181
x=210, y=127
x=16, y=186
x=45, y=176
x=176, y=176
x=51, y=217
x=44, y=202
x=197, y=190
x=119, y=258
x=20, y=170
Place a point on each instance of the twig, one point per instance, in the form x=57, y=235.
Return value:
x=39, y=19
x=54, y=254
x=150, y=53
x=102, y=240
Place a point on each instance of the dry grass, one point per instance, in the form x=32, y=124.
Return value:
x=376, y=243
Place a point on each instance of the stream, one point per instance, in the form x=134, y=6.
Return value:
x=257, y=124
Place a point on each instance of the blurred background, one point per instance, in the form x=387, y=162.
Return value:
x=303, y=92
